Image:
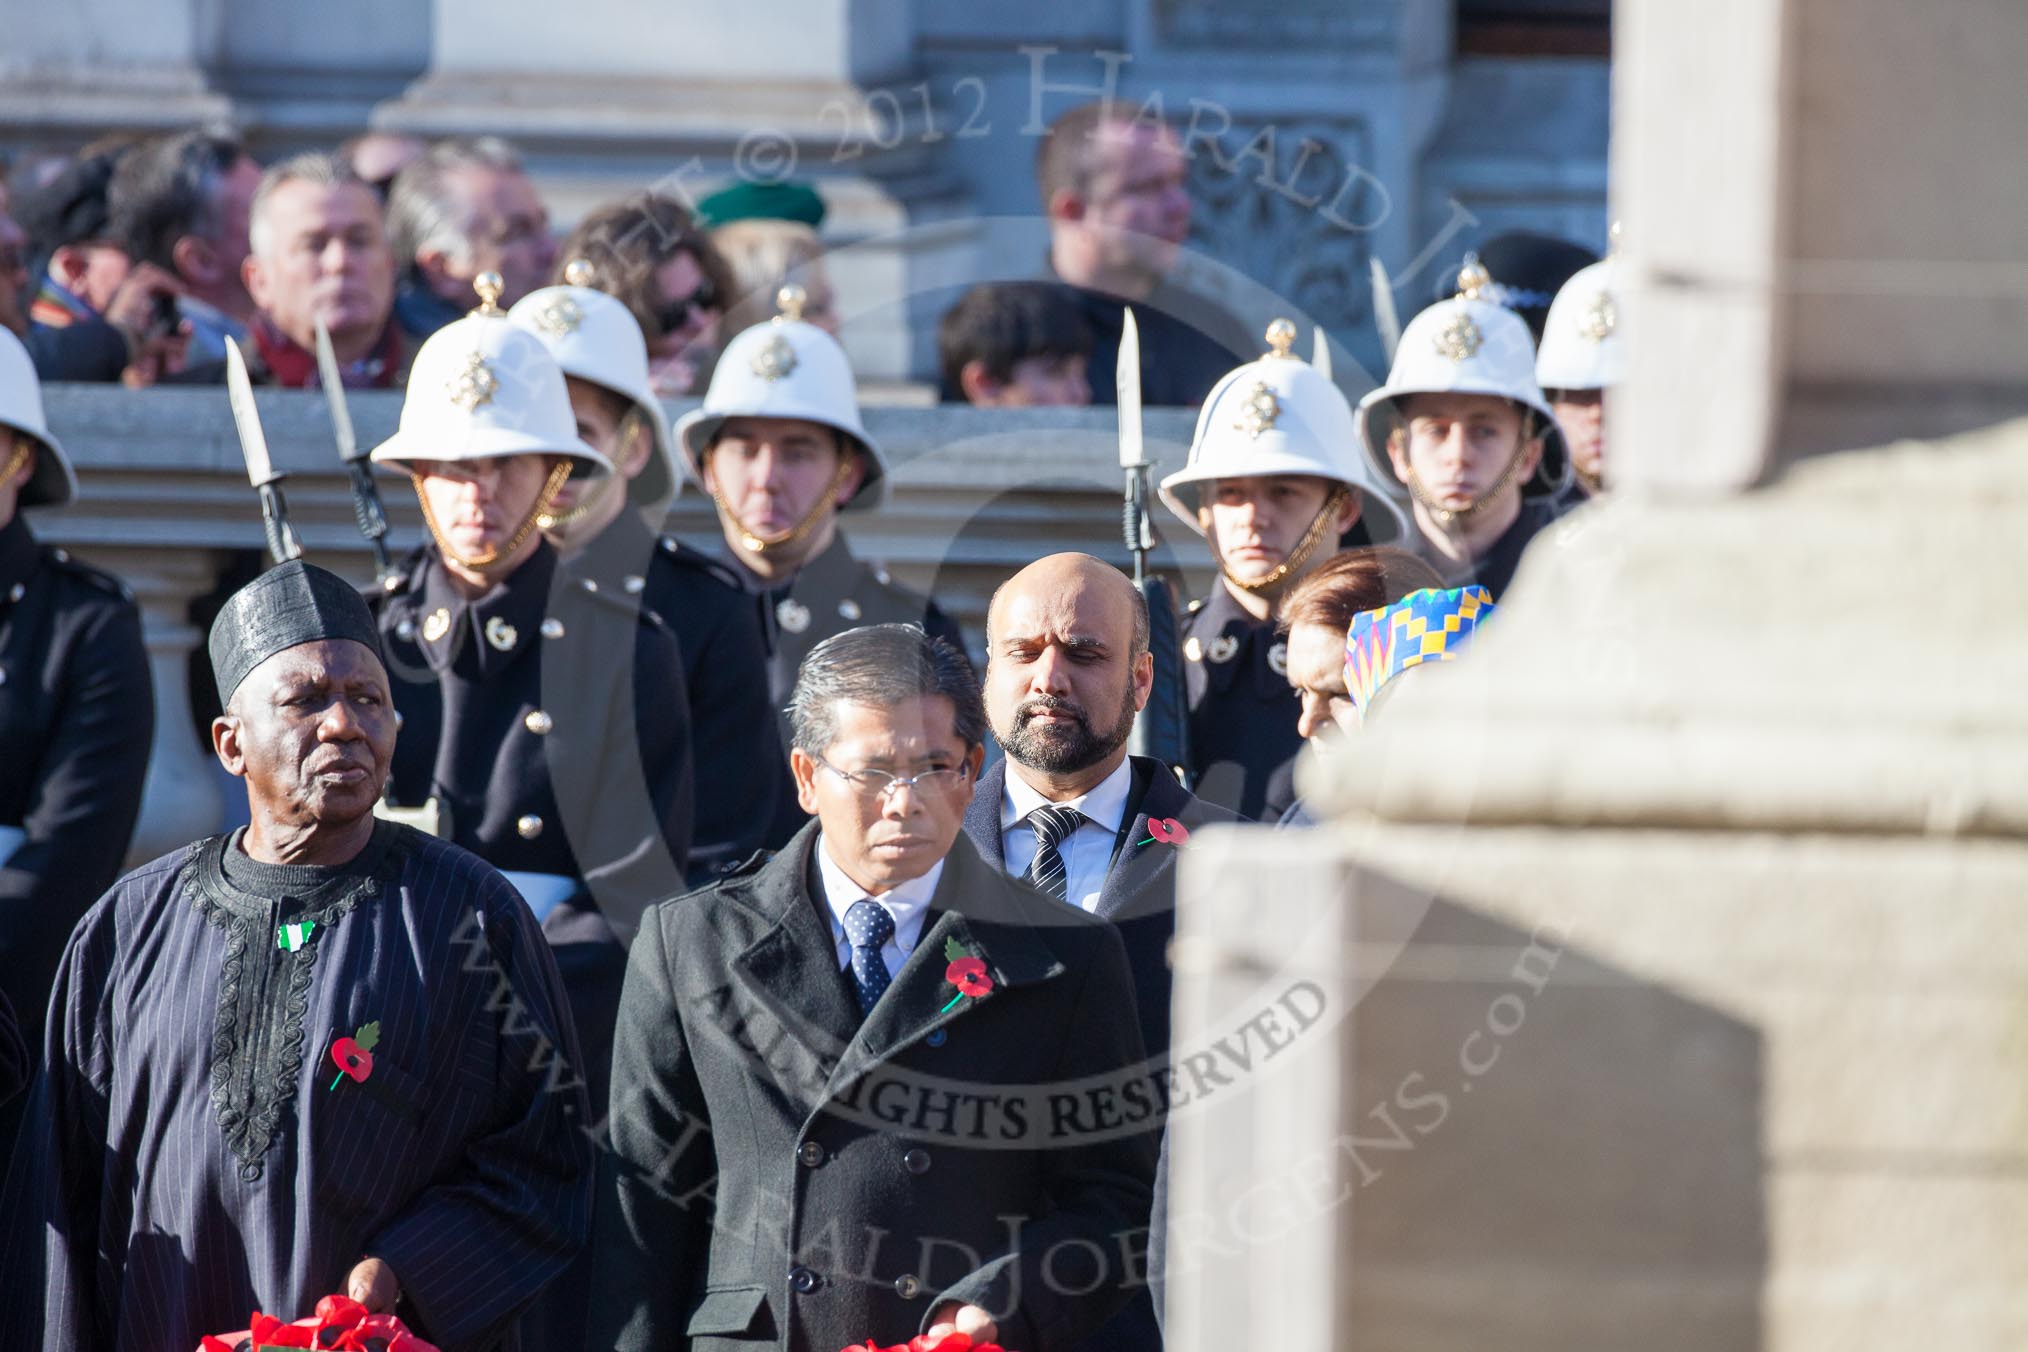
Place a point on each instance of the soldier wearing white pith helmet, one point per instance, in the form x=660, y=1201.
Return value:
x=76, y=715
x=1461, y=430
x=605, y=529
x=1580, y=358
x=779, y=445
x=1272, y=483
x=544, y=722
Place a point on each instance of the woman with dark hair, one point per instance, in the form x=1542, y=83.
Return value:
x=648, y=253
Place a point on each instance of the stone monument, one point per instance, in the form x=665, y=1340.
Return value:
x=1671, y=983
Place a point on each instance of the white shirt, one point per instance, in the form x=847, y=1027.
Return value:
x=906, y=904
x=1088, y=851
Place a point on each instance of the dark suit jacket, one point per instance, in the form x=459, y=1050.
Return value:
x=1139, y=896
x=786, y=1176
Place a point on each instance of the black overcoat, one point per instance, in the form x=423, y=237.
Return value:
x=784, y=1175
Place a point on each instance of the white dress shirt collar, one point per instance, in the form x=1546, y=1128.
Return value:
x=907, y=904
x=1105, y=803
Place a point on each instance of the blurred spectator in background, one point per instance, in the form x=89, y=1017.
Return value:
x=180, y=203
x=1113, y=188
x=377, y=156
x=96, y=315
x=761, y=255
x=13, y=268
x=1014, y=345
x=648, y=253
x=746, y=201
x=465, y=207
x=319, y=252
x=767, y=234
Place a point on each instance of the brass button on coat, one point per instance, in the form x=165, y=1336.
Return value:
x=529, y=826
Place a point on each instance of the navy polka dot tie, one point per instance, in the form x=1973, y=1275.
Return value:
x=868, y=926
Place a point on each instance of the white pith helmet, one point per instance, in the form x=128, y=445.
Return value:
x=52, y=484
x=483, y=389
x=1278, y=415
x=1466, y=345
x=597, y=339
x=1581, y=342
x=785, y=368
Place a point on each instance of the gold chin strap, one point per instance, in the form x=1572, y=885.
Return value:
x=1293, y=564
x=1448, y=516
x=755, y=543
x=595, y=496
x=480, y=562
x=22, y=448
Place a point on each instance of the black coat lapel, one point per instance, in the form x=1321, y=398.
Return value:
x=1131, y=883
x=789, y=977
x=982, y=818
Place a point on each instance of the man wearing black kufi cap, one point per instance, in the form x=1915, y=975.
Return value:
x=312, y=1056
x=76, y=715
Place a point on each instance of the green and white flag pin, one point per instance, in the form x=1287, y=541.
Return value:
x=289, y=938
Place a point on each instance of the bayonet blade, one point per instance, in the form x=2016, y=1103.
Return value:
x=260, y=469
x=1320, y=353
x=1385, y=317
x=253, y=443
x=1127, y=385
x=334, y=395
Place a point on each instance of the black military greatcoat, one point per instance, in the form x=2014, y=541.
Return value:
x=1243, y=710
x=736, y=749
x=787, y=1176
x=549, y=721
x=829, y=594
x=77, y=713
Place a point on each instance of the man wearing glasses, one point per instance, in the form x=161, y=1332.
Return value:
x=837, y=1075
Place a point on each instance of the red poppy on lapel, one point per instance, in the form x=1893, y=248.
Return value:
x=967, y=972
x=1167, y=830
x=969, y=976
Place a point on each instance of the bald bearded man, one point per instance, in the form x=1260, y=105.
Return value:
x=1067, y=668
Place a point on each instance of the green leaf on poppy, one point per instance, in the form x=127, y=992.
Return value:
x=368, y=1037
x=953, y=950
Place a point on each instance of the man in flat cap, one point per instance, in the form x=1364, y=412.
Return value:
x=310, y=1057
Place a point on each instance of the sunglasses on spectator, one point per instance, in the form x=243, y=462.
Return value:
x=671, y=314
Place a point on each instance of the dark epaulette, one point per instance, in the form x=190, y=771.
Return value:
x=684, y=556
x=64, y=561
x=617, y=603
x=751, y=864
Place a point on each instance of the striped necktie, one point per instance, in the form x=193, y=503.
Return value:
x=1052, y=824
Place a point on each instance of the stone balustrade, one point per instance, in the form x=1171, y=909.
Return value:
x=165, y=504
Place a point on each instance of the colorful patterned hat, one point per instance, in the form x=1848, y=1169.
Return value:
x=1423, y=626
